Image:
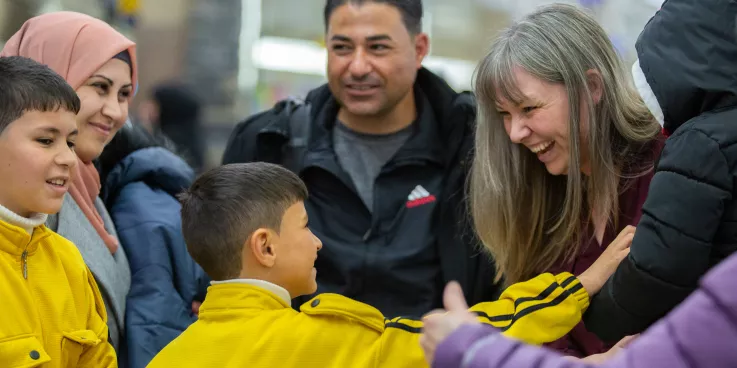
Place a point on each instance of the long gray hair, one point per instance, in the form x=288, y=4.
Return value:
x=527, y=218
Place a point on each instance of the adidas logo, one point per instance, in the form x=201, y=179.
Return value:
x=419, y=196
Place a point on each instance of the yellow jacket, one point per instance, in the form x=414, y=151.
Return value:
x=52, y=312
x=537, y=311
x=243, y=325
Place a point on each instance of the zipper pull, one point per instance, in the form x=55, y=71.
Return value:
x=24, y=263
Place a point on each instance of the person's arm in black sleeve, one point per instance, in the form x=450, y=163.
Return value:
x=673, y=241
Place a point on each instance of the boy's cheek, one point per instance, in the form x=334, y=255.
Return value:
x=56, y=207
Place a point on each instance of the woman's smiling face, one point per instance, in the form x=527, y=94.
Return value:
x=104, y=97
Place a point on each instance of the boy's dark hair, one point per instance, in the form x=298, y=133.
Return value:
x=411, y=11
x=226, y=205
x=26, y=85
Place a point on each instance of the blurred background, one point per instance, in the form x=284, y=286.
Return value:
x=241, y=56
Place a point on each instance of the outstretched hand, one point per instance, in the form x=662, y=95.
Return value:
x=439, y=324
x=594, y=278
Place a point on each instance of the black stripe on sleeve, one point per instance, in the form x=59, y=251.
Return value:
x=502, y=318
x=559, y=299
x=404, y=327
x=568, y=281
x=544, y=294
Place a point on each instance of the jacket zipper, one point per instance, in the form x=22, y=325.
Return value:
x=24, y=260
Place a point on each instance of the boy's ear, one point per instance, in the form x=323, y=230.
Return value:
x=261, y=244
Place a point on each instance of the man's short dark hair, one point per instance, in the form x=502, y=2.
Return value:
x=411, y=11
x=26, y=85
x=226, y=205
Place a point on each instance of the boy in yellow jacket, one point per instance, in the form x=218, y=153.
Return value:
x=52, y=313
x=246, y=225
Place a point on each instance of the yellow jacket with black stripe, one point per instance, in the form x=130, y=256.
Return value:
x=243, y=325
x=52, y=312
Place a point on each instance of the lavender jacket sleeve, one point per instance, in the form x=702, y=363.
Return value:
x=701, y=332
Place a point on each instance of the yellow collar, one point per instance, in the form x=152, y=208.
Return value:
x=271, y=287
x=241, y=296
x=15, y=240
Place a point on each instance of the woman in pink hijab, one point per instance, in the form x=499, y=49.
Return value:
x=100, y=64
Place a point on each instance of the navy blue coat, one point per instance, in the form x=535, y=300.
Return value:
x=140, y=194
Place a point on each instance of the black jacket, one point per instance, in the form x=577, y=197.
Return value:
x=688, y=54
x=441, y=152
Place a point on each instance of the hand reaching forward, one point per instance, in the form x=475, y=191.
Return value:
x=594, y=278
x=439, y=324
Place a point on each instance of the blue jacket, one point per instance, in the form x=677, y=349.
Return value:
x=140, y=194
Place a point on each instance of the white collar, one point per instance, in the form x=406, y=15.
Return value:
x=26, y=224
x=279, y=291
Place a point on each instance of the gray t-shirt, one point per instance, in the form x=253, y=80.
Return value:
x=363, y=155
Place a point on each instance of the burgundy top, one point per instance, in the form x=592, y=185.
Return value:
x=580, y=342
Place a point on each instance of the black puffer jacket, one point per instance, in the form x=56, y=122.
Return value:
x=688, y=54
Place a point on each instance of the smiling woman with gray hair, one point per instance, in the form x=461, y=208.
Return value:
x=564, y=150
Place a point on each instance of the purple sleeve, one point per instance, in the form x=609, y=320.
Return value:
x=699, y=333
x=450, y=352
x=480, y=346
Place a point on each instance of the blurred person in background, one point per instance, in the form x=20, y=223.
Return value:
x=13, y=13
x=100, y=64
x=173, y=113
x=384, y=148
x=141, y=179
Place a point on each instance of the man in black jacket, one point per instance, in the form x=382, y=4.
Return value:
x=686, y=73
x=384, y=149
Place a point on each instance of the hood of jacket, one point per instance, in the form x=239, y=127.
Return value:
x=688, y=56
x=156, y=166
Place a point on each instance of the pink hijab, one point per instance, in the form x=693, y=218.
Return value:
x=75, y=46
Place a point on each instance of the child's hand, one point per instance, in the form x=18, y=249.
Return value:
x=439, y=325
x=593, y=279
